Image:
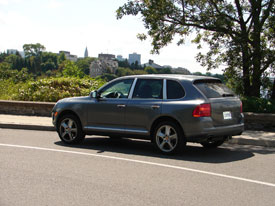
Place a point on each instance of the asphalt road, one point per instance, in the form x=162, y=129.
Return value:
x=37, y=169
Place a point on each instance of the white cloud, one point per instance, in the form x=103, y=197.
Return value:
x=6, y=2
x=54, y=4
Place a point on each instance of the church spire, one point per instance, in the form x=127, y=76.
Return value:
x=86, y=53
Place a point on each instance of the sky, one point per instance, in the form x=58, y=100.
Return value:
x=70, y=25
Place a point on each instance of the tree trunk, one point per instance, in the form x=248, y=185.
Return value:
x=273, y=90
x=246, y=69
x=256, y=86
x=257, y=52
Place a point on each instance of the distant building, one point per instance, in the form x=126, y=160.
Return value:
x=12, y=51
x=69, y=56
x=120, y=58
x=15, y=51
x=107, y=56
x=167, y=66
x=105, y=64
x=181, y=70
x=86, y=53
x=152, y=64
x=133, y=58
x=22, y=53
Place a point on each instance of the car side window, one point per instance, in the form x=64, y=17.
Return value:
x=174, y=90
x=117, y=89
x=148, y=89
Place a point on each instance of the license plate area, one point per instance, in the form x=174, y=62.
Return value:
x=227, y=115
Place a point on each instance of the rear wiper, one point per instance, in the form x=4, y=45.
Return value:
x=228, y=95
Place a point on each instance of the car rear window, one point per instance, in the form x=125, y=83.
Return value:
x=213, y=88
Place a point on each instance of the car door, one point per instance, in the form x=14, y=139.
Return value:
x=144, y=106
x=107, y=113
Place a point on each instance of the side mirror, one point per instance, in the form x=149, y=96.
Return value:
x=94, y=94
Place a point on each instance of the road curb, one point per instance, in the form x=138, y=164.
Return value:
x=255, y=142
x=27, y=127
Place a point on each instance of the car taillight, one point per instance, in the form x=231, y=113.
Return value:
x=202, y=110
x=241, y=107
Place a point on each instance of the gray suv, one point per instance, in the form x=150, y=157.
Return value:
x=169, y=110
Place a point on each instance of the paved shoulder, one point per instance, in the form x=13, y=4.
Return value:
x=257, y=138
x=26, y=122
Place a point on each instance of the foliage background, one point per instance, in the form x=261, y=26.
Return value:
x=48, y=77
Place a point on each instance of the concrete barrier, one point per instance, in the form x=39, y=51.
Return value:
x=26, y=108
x=259, y=121
x=253, y=121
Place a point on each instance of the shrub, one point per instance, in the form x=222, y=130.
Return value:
x=258, y=105
x=53, y=89
x=9, y=89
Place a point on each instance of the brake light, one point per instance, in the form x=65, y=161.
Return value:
x=202, y=110
x=241, y=107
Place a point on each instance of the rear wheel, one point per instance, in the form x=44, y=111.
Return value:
x=168, y=137
x=70, y=130
x=115, y=137
x=212, y=144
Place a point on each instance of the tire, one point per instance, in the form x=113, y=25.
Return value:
x=212, y=144
x=70, y=130
x=168, y=137
x=115, y=137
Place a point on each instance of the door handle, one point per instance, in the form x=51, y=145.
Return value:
x=155, y=107
x=121, y=105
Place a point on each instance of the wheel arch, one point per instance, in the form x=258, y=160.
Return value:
x=162, y=119
x=68, y=112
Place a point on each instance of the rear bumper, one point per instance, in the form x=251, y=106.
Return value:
x=217, y=132
x=231, y=130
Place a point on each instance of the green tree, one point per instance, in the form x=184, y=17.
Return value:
x=49, y=61
x=165, y=71
x=84, y=64
x=240, y=34
x=4, y=67
x=150, y=70
x=61, y=58
x=33, y=55
x=139, y=72
x=71, y=70
x=124, y=72
x=15, y=61
x=124, y=64
x=3, y=56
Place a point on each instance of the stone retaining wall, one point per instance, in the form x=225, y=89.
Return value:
x=253, y=121
x=259, y=121
x=26, y=108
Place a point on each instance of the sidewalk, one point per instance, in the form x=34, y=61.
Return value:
x=249, y=137
x=26, y=122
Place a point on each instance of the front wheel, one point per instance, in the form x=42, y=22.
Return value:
x=168, y=137
x=70, y=130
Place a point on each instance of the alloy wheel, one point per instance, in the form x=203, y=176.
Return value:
x=68, y=129
x=166, y=138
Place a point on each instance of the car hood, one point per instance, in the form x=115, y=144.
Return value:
x=74, y=99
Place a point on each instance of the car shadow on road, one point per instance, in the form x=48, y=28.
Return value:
x=192, y=152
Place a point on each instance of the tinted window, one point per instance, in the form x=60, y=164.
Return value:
x=213, y=89
x=117, y=89
x=174, y=90
x=148, y=89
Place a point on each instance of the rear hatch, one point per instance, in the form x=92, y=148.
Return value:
x=225, y=105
